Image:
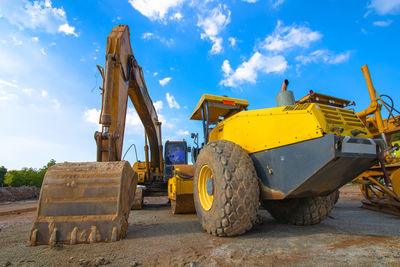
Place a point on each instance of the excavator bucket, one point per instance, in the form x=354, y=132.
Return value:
x=84, y=203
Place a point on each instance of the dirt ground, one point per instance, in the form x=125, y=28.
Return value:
x=350, y=236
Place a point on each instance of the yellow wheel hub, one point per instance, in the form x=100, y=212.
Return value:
x=205, y=187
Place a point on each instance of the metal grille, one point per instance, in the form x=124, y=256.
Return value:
x=297, y=107
x=340, y=117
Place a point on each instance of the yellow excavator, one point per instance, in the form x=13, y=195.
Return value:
x=90, y=201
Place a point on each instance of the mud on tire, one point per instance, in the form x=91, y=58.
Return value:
x=301, y=211
x=235, y=189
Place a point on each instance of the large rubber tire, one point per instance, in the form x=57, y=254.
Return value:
x=337, y=195
x=301, y=211
x=235, y=189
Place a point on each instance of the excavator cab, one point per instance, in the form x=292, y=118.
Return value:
x=175, y=153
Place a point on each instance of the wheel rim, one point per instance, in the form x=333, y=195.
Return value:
x=206, y=195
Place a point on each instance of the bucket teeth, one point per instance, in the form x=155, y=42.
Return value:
x=114, y=234
x=33, y=239
x=53, y=237
x=93, y=235
x=74, y=233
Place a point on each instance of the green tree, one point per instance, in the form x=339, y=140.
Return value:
x=27, y=176
x=3, y=172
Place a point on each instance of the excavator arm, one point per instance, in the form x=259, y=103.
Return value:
x=124, y=77
x=88, y=202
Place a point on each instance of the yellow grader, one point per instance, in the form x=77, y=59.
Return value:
x=291, y=158
x=381, y=184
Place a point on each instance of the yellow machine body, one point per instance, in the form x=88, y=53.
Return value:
x=300, y=150
x=292, y=123
x=180, y=189
x=140, y=168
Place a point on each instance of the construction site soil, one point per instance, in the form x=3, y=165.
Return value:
x=350, y=236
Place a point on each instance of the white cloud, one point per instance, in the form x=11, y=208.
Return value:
x=8, y=91
x=217, y=45
x=35, y=39
x=172, y=102
x=212, y=24
x=383, y=23
x=116, y=19
x=158, y=105
x=43, y=51
x=44, y=93
x=250, y=1
x=177, y=16
x=36, y=15
x=324, y=56
x=155, y=74
x=232, y=41
x=182, y=132
x=56, y=103
x=16, y=42
x=277, y=3
x=9, y=84
x=147, y=35
x=226, y=68
x=155, y=9
x=28, y=91
x=286, y=37
x=7, y=96
x=385, y=7
x=92, y=116
x=164, y=81
x=248, y=71
x=67, y=29
x=132, y=118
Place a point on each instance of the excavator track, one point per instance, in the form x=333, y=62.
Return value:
x=84, y=202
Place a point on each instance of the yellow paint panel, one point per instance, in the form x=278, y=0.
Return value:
x=140, y=168
x=257, y=130
x=178, y=186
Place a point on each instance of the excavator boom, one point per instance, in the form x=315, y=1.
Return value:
x=90, y=201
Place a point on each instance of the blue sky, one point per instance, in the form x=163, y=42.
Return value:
x=49, y=96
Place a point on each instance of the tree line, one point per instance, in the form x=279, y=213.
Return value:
x=26, y=176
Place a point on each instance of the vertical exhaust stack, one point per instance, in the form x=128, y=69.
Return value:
x=285, y=98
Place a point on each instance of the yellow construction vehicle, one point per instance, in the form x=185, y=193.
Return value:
x=292, y=158
x=91, y=201
x=380, y=185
